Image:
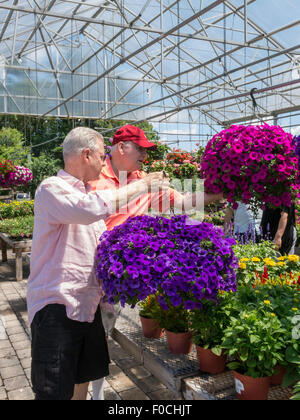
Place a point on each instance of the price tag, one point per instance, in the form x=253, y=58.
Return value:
x=239, y=387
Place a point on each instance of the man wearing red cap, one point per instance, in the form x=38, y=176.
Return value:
x=129, y=150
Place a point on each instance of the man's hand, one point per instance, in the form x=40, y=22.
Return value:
x=157, y=181
x=278, y=242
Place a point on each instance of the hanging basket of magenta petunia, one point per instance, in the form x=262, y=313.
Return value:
x=185, y=262
x=256, y=165
x=12, y=176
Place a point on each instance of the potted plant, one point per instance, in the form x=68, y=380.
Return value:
x=175, y=321
x=208, y=325
x=184, y=262
x=256, y=340
x=280, y=295
x=148, y=316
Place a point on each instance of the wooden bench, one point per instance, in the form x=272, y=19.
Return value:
x=18, y=247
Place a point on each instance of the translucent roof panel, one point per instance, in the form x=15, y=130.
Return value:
x=187, y=61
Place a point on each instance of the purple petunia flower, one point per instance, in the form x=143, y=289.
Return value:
x=133, y=261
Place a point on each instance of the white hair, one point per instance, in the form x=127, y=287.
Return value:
x=80, y=138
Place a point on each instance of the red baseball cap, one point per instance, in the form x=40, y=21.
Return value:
x=131, y=133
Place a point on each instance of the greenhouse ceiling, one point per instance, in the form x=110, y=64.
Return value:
x=157, y=60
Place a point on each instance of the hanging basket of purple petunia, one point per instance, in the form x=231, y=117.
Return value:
x=185, y=262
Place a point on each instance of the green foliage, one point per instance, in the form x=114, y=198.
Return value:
x=208, y=324
x=175, y=319
x=293, y=359
x=256, y=340
x=216, y=218
x=261, y=328
x=12, y=146
x=150, y=307
x=19, y=228
x=42, y=167
x=298, y=234
x=16, y=209
x=264, y=249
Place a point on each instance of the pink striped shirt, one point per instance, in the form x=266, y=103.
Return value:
x=67, y=225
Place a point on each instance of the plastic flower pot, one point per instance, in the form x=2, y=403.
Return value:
x=150, y=328
x=210, y=362
x=252, y=389
x=179, y=343
x=277, y=378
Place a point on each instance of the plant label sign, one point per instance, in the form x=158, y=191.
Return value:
x=239, y=387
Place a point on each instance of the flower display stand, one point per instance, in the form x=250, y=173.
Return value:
x=18, y=247
x=180, y=373
x=168, y=368
x=222, y=387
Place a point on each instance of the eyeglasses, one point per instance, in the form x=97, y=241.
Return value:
x=140, y=148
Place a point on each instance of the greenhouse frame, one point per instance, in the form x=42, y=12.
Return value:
x=189, y=67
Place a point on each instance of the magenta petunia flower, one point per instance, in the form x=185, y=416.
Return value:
x=260, y=161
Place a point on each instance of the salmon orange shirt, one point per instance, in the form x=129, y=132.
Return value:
x=159, y=202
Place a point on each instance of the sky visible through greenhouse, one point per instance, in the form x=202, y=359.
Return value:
x=190, y=67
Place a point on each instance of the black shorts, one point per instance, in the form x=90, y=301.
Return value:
x=65, y=353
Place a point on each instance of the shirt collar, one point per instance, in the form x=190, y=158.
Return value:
x=108, y=172
x=72, y=180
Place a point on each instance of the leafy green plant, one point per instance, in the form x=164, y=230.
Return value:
x=254, y=270
x=12, y=146
x=293, y=359
x=149, y=307
x=16, y=209
x=216, y=218
x=264, y=249
x=19, y=228
x=208, y=324
x=42, y=167
x=256, y=340
x=175, y=319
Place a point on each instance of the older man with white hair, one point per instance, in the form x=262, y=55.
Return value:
x=129, y=150
x=63, y=291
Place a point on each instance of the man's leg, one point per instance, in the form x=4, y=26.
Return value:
x=98, y=389
x=80, y=391
x=56, y=348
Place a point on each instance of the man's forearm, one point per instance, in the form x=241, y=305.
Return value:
x=227, y=219
x=196, y=201
x=281, y=226
x=120, y=197
x=200, y=199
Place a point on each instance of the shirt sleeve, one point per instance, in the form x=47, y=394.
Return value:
x=63, y=204
x=164, y=200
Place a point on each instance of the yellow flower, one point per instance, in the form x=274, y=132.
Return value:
x=272, y=314
x=270, y=263
x=242, y=266
x=255, y=259
x=267, y=302
x=257, y=291
x=244, y=260
x=293, y=258
x=295, y=309
x=283, y=258
x=281, y=263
